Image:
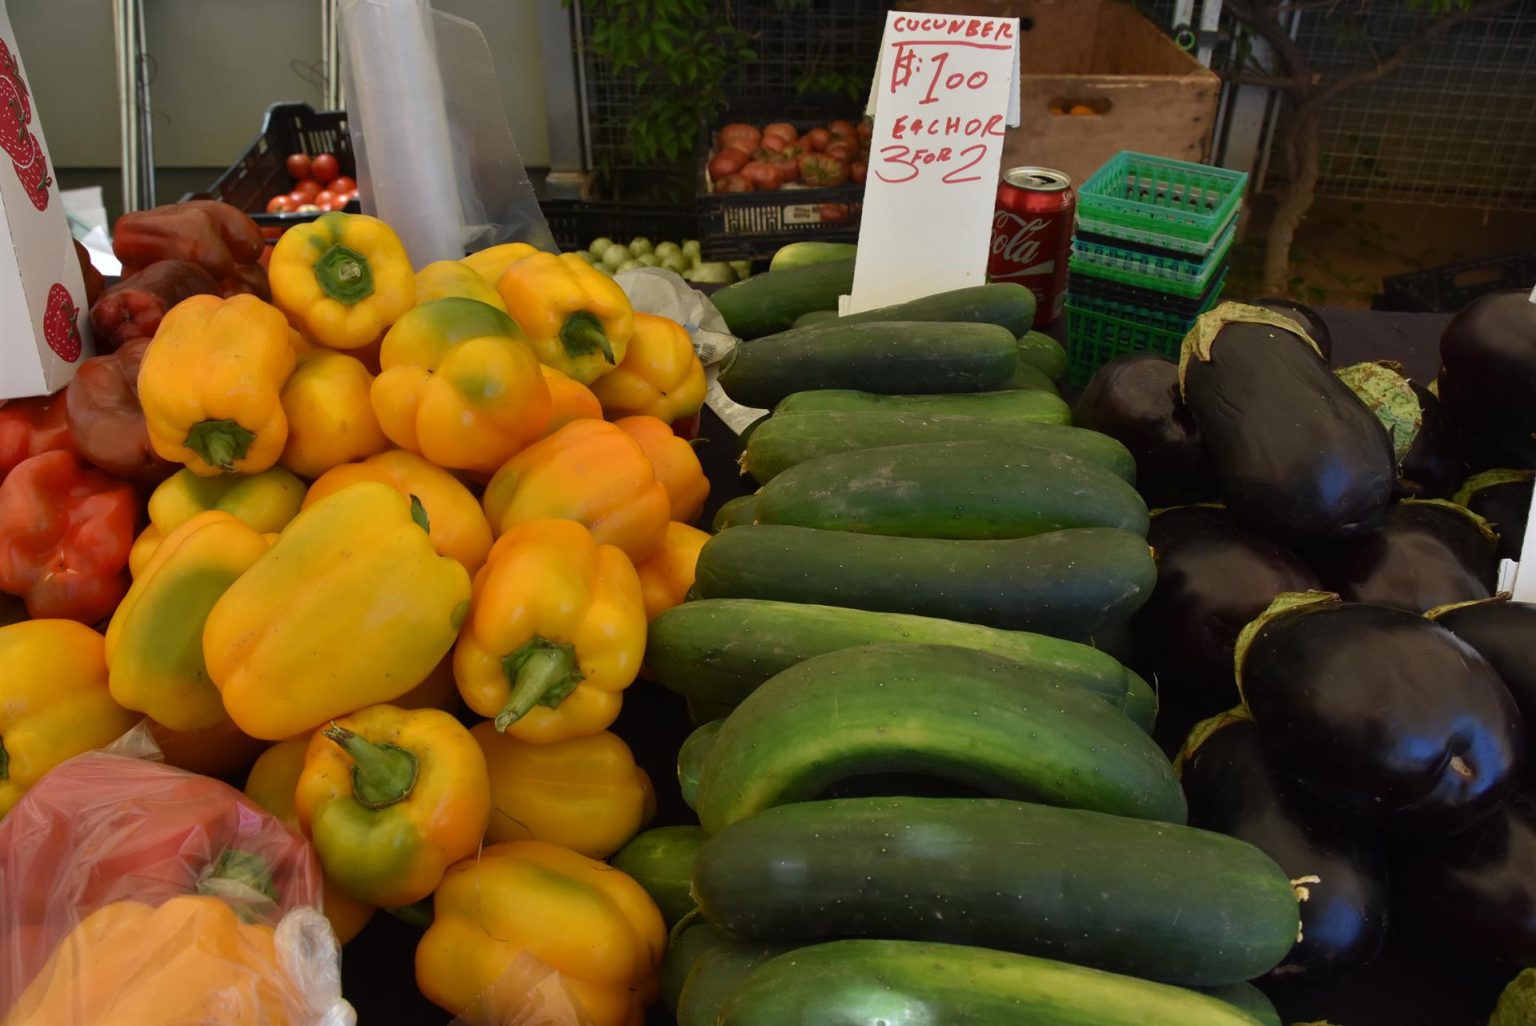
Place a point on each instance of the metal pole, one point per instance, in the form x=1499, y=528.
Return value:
x=330, y=54
x=143, y=108
x=127, y=100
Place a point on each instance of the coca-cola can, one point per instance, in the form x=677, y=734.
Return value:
x=1032, y=235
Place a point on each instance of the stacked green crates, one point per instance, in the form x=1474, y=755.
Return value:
x=1149, y=256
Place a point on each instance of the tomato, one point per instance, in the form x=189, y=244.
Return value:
x=743, y=137
x=309, y=208
x=772, y=144
x=734, y=183
x=842, y=129
x=280, y=204
x=308, y=187
x=727, y=162
x=326, y=200
x=866, y=131
x=822, y=170
x=326, y=168
x=298, y=199
x=834, y=213
x=342, y=185
x=298, y=165
x=272, y=232
x=858, y=170
x=783, y=129
x=763, y=175
x=816, y=139
x=842, y=149
x=789, y=166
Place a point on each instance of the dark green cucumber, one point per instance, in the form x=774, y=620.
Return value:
x=661, y=861
x=1154, y=900
x=1141, y=702
x=957, y=714
x=1006, y=304
x=803, y=254
x=1066, y=583
x=766, y=303
x=891, y=357
x=782, y=442
x=814, y=317
x=690, y=757
x=716, y=652
x=1247, y=998
x=912, y=983
x=1045, y=354
x=683, y=953
x=1030, y=379
x=1031, y=407
x=717, y=975
x=734, y=513
x=951, y=490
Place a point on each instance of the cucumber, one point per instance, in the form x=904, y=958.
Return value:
x=814, y=317
x=661, y=861
x=957, y=714
x=766, y=303
x=1154, y=900
x=804, y=254
x=782, y=442
x=716, y=652
x=1031, y=407
x=911, y=983
x=1141, y=703
x=717, y=974
x=1028, y=378
x=1006, y=304
x=735, y=512
x=891, y=357
x=1247, y=998
x=951, y=490
x=690, y=757
x=1045, y=354
x=1065, y=584
x=683, y=953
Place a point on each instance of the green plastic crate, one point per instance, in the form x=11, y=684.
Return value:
x=1187, y=268
x=1094, y=339
x=1160, y=201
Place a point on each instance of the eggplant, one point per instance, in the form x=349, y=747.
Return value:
x=1504, y=633
x=1488, y=376
x=1338, y=867
x=1135, y=400
x=1428, y=449
x=1381, y=713
x=1299, y=457
x=1213, y=577
x=1303, y=315
x=1502, y=497
x=1426, y=553
x=1475, y=893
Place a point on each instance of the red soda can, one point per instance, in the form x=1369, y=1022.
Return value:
x=1032, y=236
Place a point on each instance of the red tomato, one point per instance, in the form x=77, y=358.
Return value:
x=858, y=170
x=280, y=204
x=743, y=137
x=789, y=166
x=763, y=175
x=308, y=186
x=842, y=149
x=773, y=144
x=842, y=129
x=309, y=208
x=783, y=129
x=816, y=139
x=298, y=199
x=865, y=131
x=298, y=165
x=325, y=199
x=271, y=233
x=326, y=168
x=727, y=162
x=822, y=170
x=734, y=183
x=343, y=184
x=834, y=213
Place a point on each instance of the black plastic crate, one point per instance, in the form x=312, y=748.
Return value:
x=1447, y=289
x=1080, y=283
x=286, y=128
x=575, y=223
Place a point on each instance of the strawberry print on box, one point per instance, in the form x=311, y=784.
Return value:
x=43, y=336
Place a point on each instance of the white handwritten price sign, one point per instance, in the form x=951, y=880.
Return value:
x=945, y=89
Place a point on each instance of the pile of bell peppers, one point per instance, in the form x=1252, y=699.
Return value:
x=392, y=535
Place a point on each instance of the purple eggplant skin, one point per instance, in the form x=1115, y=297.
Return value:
x=1299, y=457
x=1475, y=893
x=1213, y=577
x=1505, y=504
x=1434, y=465
x=1233, y=790
x=1422, y=555
x=1385, y=715
x=1302, y=314
x=1135, y=400
x=1504, y=633
x=1488, y=375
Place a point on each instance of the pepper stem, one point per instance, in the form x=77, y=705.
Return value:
x=419, y=515
x=242, y=879
x=344, y=275
x=381, y=774
x=219, y=443
x=582, y=333
x=541, y=672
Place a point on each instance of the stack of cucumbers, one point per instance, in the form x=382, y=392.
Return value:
x=923, y=796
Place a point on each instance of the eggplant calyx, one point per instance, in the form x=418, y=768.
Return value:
x=1390, y=396
x=1480, y=522
x=1201, y=732
x=1438, y=611
x=1488, y=479
x=1208, y=325
x=1285, y=603
x=1187, y=505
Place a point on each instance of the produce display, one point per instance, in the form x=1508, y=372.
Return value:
x=752, y=158
x=684, y=257
x=318, y=186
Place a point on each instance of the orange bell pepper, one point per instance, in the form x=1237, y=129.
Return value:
x=677, y=465
x=223, y=750
x=660, y=375
x=330, y=418
x=666, y=577
x=569, y=400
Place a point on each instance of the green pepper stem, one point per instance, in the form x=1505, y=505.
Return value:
x=219, y=443
x=541, y=672
x=242, y=879
x=582, y=334
x=419, y=515
x=344, y=275
x=381, y=774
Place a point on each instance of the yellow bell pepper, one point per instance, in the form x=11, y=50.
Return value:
x=660, y=376
x=272, y=784
x=589, y=921
x=210, y=381
x=54, y=702
x=492, y=262
x=154, y=645
x=438, y=691
x=342, y=279
x=220, y=751
x=266, y=501
x=677, y=465
x=189, y=960
x=576, y=318
x=666, y=577
x=459, y=387
x=589, y=471
x=458, y=527
x=330, y=418
x=351, y=606
x=450, y=279
x=391, y=798
x=569, y=400
x=555, y=633
x=585, y=794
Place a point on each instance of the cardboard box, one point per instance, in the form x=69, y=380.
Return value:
x=44, y=327
x=1146, y=94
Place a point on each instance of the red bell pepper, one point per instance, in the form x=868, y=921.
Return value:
x=32, y=426
x=223, y=239
x=105, y=418
x=65, y=532
x=133, y=307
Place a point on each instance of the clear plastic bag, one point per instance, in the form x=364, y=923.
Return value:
x=535, y=994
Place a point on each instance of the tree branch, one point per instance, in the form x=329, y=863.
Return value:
x=1395, y=60
x=1266, y=22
